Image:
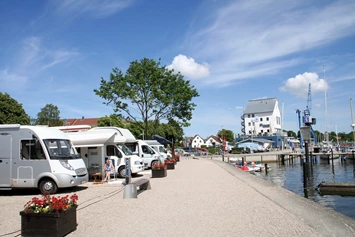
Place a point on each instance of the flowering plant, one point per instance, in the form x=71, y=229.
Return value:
x=170, y=161
x=48, y=204
x=159, y=166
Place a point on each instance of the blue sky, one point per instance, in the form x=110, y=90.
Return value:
x=231, y=51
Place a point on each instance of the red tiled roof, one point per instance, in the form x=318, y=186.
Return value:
x=86, y=121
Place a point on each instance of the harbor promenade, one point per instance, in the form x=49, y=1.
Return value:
x=201, y=197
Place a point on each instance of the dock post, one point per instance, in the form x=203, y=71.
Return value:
x=266, y=168
x=332, y=158
x=353, y=159
x=282, y=159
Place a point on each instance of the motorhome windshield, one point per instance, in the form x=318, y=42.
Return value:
x=162, y=149
x=125, y=149
x=60, y=149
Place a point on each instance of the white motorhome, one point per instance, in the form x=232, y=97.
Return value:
x=139, y=147
x=95, y=146
x=158, y=147
x=38, y=157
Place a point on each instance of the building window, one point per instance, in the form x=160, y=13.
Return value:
x=268, y=130
x=261, y=119
x=249, y=131
x=248, y=115
x=252, y=115
x=267, y=118
x=261, y=131
x=249, y=124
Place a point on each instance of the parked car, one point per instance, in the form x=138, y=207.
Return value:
x=181, y=152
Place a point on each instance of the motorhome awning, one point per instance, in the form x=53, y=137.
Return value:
x=95, y=138
x=161, y=140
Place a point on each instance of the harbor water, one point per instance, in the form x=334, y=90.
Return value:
x=290, y=176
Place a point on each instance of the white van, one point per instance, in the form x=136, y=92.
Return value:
x=138, y=147
x=95, y=146
x=38, y=157
x=158, y=147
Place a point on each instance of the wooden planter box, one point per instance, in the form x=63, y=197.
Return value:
x=159, y=173
x=48, y=224
x=170, y=166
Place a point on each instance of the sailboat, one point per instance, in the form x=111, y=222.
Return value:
x=327, y=147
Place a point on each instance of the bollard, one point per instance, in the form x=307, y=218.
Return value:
x=130, y=191
x=128, y=170
x=266, y=168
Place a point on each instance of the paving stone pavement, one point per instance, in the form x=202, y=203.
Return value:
x=201, y=197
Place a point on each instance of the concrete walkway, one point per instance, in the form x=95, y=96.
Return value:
x=201, y=197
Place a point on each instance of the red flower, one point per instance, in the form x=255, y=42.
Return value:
x=50, y=204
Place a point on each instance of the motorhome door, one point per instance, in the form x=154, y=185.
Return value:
x=5, y=160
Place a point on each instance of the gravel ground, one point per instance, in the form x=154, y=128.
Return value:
x=201, y=197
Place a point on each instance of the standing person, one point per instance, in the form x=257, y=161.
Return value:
x=108, y=168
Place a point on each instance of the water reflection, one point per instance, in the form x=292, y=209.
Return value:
x=290, y=176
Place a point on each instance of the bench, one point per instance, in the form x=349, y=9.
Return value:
x=143, y=184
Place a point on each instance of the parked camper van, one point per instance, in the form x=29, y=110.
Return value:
x=38, y=157
x=158, y=147
x=138, y=147
x=95, y=146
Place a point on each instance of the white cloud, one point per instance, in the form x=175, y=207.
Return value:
x=189, y=68
x=299, y=84
x=9, y=80
x=239, y=107
x=37, y=56
x=97, y=8
x=237, y=42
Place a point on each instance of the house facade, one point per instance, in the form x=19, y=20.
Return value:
x=261, y=117
x=197, y=141
x=213, y=141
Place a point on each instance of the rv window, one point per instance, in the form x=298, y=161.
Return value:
x=125, y=149
x=61, y=149
x=147, y=150
x=31, y=150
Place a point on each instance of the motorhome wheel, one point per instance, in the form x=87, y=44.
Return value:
x=155, y=162
x=48, y=186
x=122, y=172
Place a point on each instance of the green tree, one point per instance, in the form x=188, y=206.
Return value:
x=49, y=115
x=114, y=120
x=11, y=112
x=225, y=133
x=151, y=90
x=291, y=133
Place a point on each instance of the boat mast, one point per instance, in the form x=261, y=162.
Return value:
x=326, y=136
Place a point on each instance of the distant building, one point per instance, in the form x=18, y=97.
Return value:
x=81, y=121
x=197, y=141
x=261, y=117
x=213, y=141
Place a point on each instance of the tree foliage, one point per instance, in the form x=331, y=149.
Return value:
x=49, y=115
x=114, y=120
x=11, y=112
x=151, y=90
x=225, y=133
